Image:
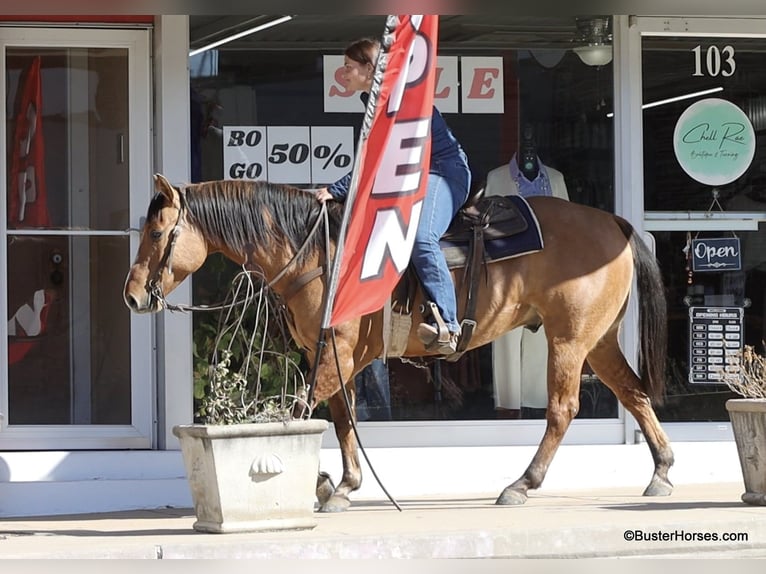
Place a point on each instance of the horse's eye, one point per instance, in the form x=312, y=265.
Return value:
x=155, y=235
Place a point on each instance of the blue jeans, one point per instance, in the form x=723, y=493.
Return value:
x=446, y=194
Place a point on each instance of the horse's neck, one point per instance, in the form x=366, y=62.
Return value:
x=267, y=265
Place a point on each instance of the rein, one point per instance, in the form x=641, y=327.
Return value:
x=166, y=262
x=321, y=217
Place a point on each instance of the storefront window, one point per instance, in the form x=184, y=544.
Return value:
x=533, y=94
x=680, y=77
x=68, y=206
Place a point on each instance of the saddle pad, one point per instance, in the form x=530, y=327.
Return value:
x=528, y=241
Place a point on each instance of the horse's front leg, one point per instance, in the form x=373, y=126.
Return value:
x=564, y=366
x=328, y=387
x=352, y=472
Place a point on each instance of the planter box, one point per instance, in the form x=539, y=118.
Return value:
x=251, y=477
x=748, y=421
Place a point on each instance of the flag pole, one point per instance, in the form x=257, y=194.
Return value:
x=369, y=114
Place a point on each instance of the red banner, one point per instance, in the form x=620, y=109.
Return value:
x=393, y=163
x=27, y=200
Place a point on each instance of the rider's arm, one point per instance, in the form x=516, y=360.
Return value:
x=339, y=189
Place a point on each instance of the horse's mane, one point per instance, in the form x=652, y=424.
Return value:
x=239, y=213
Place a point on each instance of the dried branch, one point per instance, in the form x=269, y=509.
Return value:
x=254, y=374
x=750, y=381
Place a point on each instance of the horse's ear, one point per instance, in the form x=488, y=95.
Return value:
x=163, y=186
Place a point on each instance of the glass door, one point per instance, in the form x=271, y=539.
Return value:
x=77, y=369
x=704, y=173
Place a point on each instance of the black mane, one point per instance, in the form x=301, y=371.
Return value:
x=239, y=213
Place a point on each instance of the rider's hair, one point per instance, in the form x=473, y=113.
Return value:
x=364, y=51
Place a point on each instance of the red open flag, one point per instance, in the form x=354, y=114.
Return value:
x=27, y=201
x=393, y=165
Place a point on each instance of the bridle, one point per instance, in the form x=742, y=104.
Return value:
x=153, y=285
x=154, y=288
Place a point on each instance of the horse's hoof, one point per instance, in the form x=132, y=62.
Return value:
x=325, y=488
x=511, y=497
x=335, y=504
x=659, y=487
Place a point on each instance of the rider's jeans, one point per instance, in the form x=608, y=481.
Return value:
x=447, y=191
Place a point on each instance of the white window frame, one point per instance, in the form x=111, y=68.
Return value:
x=629, y=32
x=141, y=432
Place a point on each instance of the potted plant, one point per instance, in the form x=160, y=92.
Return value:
x=748, y=422
x=253, y=457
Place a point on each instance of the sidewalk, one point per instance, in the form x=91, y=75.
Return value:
x=551, y=525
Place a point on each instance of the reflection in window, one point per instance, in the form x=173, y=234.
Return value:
x=68, y=330
x=679, y=72
x=556, y=110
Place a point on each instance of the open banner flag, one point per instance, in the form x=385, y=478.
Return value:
x=391, y=172
x=27, y=201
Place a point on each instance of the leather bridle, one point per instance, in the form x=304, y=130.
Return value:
x=154, y=285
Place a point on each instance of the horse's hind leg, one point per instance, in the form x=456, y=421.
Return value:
x=608, y=362
x=352, y=472
x=564, y=365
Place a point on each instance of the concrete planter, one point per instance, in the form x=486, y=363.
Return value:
x=251, y=477
x=748, y=421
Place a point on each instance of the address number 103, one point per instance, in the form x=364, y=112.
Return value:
x=714, y=61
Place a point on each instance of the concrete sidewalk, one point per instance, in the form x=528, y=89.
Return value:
x=692, y=522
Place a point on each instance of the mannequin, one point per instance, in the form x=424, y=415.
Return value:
x=520, y=357
x=529, y=164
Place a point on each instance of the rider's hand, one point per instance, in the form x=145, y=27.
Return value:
x=323, y=195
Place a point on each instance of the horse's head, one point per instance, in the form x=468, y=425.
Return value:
x=169, y=251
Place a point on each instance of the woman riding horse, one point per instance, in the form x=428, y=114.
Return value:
x=578, y=286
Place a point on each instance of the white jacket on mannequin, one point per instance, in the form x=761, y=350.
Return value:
x=520, y=357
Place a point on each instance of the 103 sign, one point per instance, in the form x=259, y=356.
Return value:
x=288, y=154
x=718, y=61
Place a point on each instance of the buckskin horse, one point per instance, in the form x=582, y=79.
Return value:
x=578, y=286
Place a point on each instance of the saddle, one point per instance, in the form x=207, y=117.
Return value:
x=497, y=216
x=480, y=219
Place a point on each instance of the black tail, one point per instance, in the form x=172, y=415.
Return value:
x=653, y=316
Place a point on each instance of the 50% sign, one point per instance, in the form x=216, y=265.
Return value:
x=288, y=154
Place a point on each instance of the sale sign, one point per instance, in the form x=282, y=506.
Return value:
x=479, y=92
x=482, y=86
x=316, y=155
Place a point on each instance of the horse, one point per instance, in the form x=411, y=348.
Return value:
x=578, y=286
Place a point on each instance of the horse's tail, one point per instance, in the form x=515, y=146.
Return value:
x=652, y=322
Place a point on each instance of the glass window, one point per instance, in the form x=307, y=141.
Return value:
x=553, y=104
x=677, y=74
x=68, y=179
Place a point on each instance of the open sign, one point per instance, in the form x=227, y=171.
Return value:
x=716, y=254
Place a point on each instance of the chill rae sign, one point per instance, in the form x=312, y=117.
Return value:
x=482, y=86
x=714, y=141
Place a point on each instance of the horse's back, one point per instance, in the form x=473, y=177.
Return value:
x=581, y=277
x=578, y=239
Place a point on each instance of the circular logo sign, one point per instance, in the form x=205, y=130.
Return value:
x=714, y=141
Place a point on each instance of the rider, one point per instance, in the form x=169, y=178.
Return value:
x=449, y=180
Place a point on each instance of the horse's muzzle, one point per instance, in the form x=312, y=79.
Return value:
x=147, y=304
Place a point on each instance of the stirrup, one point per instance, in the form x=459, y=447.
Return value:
x=436, y=338
x=429, y=336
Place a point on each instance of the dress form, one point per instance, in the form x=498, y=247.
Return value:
x=520, y=356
